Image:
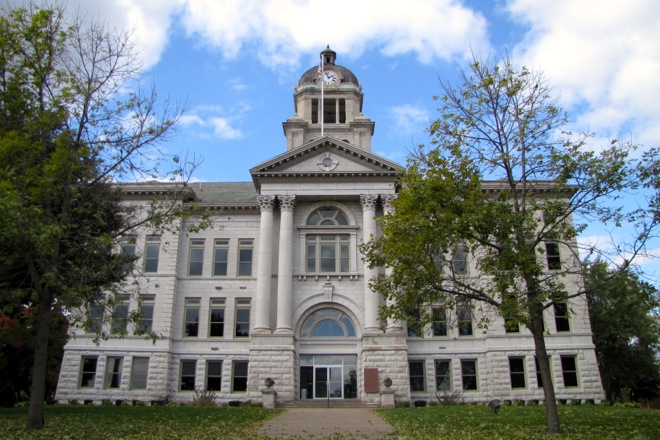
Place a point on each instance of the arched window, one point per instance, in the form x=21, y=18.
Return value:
x=327, y=252
x=329, y=323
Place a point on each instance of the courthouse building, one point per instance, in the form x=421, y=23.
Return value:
x=280, y=290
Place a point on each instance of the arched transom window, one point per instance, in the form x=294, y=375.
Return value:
x=327, y=251
x=330, y=323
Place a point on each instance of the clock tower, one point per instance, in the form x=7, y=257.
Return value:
x=332, y=100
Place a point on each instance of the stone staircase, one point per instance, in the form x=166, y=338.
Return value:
x=332, y=403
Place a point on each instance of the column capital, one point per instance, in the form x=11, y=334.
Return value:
x=266, y=203
x=386, y=200
x=368, y=202
x=287, y=203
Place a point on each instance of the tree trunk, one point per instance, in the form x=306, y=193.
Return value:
x=43, y=319
x=551, y=414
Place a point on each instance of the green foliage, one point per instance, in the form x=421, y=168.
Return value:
x=204, y=398
x=626, y=343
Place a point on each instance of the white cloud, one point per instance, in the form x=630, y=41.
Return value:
x=409, y=119
x=222, y=128
x=603, y=57
x=206, y=122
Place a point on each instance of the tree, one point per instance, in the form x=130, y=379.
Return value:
x=501, y=124
x=68, y=132
x=627, y=343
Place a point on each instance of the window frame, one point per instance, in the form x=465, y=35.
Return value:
x=414, y=386
x=459, y=260
x=111, y=375
x=120, y=315
x=151, y=253
x=242, y=305
x=414, y=328
x=213, y=377
x=562, y=320
x=88, y=371
x=539, y=379
x=195, y=257
x=439, y=326
x=146, y=308
x=517, y=372
x=235, y=377
x=245, y=266
x=220, y=245
x=316, y=243
x=217, y=304
x=567, y=373
x=190, y=386
x=436, y=363
x=95, y=319
x=465, y=327
x=191, y=304
x=464, y=375
x=552, y=255
x=137, y=375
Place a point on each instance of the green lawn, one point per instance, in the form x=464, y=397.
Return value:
x=526, y=422
x=449, y=422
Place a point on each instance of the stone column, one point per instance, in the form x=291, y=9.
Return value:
x=371, y=298
x=393, y=325
x=264, y=272
x=285, y=265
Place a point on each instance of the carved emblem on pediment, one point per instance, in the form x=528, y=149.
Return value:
x=328, y=163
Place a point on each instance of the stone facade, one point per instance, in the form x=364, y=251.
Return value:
x=278, y=289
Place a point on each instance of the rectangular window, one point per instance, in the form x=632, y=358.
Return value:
x=220, y=257
x=147, y=303
x=517, y=372
x=439, y=323
x=217, y=317
x=464, y=320
x=413, y=324
x=539, y=379
x=328, y=253
x=188, y=372
x=443, y=375
x=459, y=261
x=113, y=366
x=245, y=250
x=469, y=375
x=128, y=251
x=334, y=111
x=120, y=315
x=239, y=376
x=417, y=376
x=95, y=319
x=196, y=261
x=552, y=255
x=213, y=375
x=561, y=317
x=139, y=373
x=511, y=326
x=151, y=253
x=88, y=371
x=242, y=318
x=191, y=313
x=569, y=371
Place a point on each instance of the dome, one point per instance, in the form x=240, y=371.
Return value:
x=329, y=56
x=309, y=78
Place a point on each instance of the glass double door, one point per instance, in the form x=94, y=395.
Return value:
x=328, y=382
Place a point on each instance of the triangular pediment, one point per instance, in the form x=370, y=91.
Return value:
x=325, y=158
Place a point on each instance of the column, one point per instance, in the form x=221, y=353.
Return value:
x=285, y=266
x=371, y=298
x=264, y=264
x=393, y=325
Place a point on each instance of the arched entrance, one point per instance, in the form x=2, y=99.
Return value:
x=328, y=375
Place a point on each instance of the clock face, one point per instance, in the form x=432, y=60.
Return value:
x=329, y=77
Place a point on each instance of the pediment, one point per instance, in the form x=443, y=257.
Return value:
x=325, y=158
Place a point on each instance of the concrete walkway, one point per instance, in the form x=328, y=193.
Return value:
x=317, y=423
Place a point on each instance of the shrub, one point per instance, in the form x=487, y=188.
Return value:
x=106, y=402
x=454, y=398
x=420, y=403
x=561, y=401
x=204, y=398
x=73, y=402
x=506, y=403
x=402, y=404
x=22, y=404
x=235, y=403
x=589, y=402
x=576, y=402
x=533, y=402
x=518, y=402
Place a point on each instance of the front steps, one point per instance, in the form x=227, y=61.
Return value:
x=332, y=403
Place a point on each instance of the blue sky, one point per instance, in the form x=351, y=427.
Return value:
x=235, y=62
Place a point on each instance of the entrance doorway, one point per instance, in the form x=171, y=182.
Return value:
x=328, y=377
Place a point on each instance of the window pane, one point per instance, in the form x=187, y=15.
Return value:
x=469, y=375
x=517, y=372
x=139, y=373
x=188, y=375
x=88, y=372
x=220, y=258
x=442, y=375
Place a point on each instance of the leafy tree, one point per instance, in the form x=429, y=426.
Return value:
x=626, y=332
x=68, y=131
x=498, y=182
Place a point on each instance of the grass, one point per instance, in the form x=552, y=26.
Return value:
x=447, y=422
x=126, y=422
x=525, y=422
